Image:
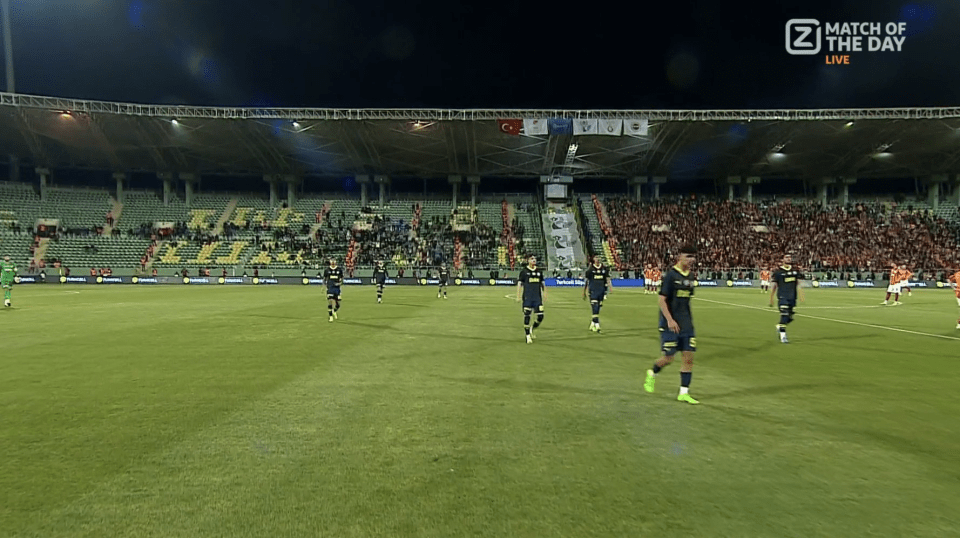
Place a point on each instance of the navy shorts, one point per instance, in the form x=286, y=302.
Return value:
x=597, y=296
x=532, y=306
x=671, y=342
x=786, y=307
x=333, y=293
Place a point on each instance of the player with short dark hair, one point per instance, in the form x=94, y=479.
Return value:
x=443, y=275
x=765, y=277
x=531, y=284
x=894, y=286
x=786, y=286
x=676, y=323
x=333, y=278
x=8, y=275
x=597, y=280
x=380, y=278
x=905, y=275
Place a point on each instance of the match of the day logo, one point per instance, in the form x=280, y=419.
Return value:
x=806, y=37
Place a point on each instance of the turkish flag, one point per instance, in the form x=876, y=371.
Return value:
x=511, y=127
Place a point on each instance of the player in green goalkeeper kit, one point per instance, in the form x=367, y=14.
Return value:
x=8, y=271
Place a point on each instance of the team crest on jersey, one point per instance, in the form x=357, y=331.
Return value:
x=686, y=283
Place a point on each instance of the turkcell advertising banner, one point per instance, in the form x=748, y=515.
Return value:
x=78, y=280
x=579, y=282
x=409, y=281
x=565, y=282
x=199, y=280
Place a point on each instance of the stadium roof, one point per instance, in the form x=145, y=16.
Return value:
x=808, y=144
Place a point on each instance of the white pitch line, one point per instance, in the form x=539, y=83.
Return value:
x=839, y=307
x=835, y=320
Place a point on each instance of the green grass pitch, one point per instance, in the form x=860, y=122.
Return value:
x=240, y=411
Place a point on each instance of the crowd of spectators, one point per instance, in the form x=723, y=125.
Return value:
x=437, y=237
x=856, y=238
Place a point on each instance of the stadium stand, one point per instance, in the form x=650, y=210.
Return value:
x=737, y=235
x=242, y=231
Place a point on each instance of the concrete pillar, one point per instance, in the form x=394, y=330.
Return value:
x=845, y=182
x=167, y=179
x=637, y=184
x=274, y=183
x=657, y=181
x=189, y=185
x=731, y=181
x=956, y=190
x=364, y=182
x=383, y=181
x=44, y=174
x=474, y=182
x=121, y=178
x=933, y=192
x=14, y=168
x=292, y=183
x=751, y=181
x=454, y=181
x=823, y=189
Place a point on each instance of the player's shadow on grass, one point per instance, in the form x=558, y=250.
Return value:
x=531, y=386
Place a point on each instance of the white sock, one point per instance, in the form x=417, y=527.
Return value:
x=684, y=390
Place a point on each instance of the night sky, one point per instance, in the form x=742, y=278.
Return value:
x=676, y=54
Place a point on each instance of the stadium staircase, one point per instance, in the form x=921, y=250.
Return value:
x=506, y=236
x=116, y=211
x=151, y=257
x=457, y=253
x=40, y=252
x=609, y=242
x=320, y=217
x=352, y=251
x=225, y=216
